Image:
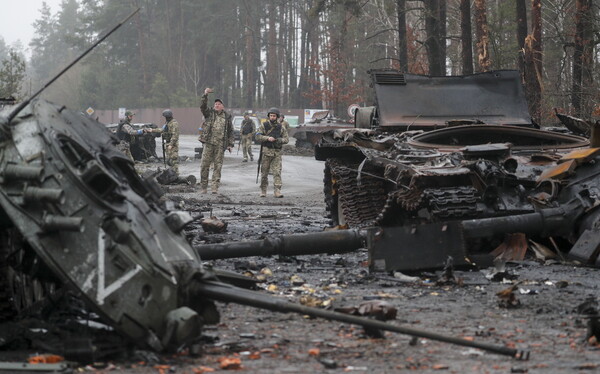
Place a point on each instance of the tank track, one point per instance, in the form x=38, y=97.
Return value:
x=452, y=202
x=360, y=205
x=446, y=203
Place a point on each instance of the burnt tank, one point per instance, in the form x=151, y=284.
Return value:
x=436, y=149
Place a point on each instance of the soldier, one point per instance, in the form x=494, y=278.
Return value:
x=247, y=132
x=284, y=123
x=170, y=135
x=217, y=135
x=125, y=133
x=272, y=136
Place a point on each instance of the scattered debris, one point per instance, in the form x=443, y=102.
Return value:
x=512, y=248
x=213, y=225
x=378, y=309
x=230, y=363
x=541, y=251
x=507, y=298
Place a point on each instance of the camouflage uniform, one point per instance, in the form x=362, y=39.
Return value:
x=126, y=133
x=217, y=135
x=170, y=135
x=271, y=153
x=285, y=124
x=247, y=132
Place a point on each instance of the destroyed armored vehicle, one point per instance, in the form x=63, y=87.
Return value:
x=308, y=134
x=438, y=148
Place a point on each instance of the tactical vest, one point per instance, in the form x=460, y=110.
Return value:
x=275, y=132
x=247, y=127
x=122, y=135
x=166, y=134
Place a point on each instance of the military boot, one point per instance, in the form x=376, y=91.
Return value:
x=277, y=193
x=204, y=190
x=263, y=192
x=214, y=190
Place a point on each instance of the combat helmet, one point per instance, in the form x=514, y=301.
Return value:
x=167, y=113
x=274, y=111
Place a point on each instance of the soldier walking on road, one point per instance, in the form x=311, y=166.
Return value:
x=126, y=134
x=272, y=136
x=284, y=123
x=170, y=135
x=248, y=130
x=217, y=135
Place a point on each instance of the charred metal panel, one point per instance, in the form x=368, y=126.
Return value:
x=409, y=100
x=412, y=247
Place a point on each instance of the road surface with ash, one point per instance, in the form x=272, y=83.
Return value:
x=546, y=320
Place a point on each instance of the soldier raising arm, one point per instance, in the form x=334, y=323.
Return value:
x=217, y=135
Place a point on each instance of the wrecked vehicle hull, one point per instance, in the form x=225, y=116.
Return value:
x=90, y=222
x=440, y=175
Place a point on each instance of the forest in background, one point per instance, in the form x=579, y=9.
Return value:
x=304, y=53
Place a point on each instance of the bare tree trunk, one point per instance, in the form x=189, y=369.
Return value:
x=141, y=44
x=272, y=93
x=466, y=37
x=533, y=62
x=582, y=59
x=432, y=43
x=250, y=71
x=521, y=34
x=402, y=40
x=443, y=15
x=481, y=31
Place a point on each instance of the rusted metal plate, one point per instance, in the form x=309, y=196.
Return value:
x=580, y=155
x=559, y=171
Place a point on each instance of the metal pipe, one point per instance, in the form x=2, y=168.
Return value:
x=58, y=223
x=227, y=293
x=52, y=195
x=23, y=172
x=339, y=241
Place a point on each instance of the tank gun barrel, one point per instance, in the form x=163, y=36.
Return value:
x=545, y=222
x=226, y=293
x=339, y=241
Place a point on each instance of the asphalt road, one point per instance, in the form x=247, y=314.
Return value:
x=302, y=176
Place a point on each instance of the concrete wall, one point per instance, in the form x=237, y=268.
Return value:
x=189, y=119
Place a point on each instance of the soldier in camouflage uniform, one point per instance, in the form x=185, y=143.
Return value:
x=170, y=135
x=126, y=133
x=247, y=132
x=284, y=123
x=217, y=135
x=272, y=136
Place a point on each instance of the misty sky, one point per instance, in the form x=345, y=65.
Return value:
x=17, y=17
